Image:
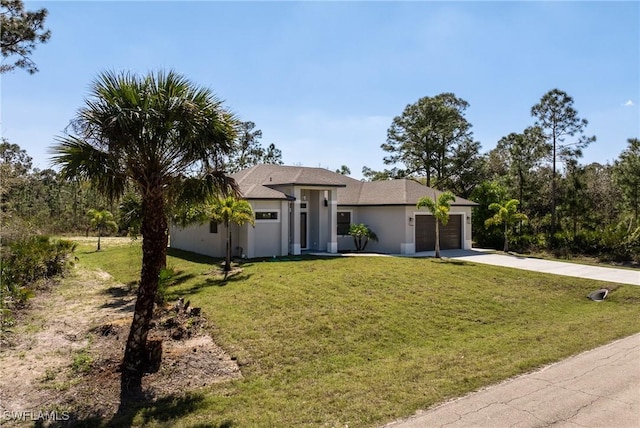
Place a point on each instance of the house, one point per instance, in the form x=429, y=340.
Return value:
x=310, y=209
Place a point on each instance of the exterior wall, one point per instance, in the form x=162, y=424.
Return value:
x=389, y=223
x=345, y=242
x=268, y=237
x=197, y=239
x=394, y=226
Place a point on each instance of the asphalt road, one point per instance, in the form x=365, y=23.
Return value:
x=598, y=388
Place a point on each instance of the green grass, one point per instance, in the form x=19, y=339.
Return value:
x=361, y=341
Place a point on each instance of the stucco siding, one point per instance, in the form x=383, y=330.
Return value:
x=388, y=223
x=199, y=240
x=265, y=239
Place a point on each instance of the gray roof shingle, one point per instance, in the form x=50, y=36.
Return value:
x=257, y=182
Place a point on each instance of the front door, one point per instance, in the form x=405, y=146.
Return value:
x=303, y=230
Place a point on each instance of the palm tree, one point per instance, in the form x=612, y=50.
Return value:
x=362, y=232
x=164, y=134
x=227, y=211
x=101, y=221
x=439, y=207
x=506, y=214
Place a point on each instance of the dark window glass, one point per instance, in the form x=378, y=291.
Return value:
x=267, y=215
x=344, y=221
x=213, y=227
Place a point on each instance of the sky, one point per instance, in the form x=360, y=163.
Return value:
x=324, y=80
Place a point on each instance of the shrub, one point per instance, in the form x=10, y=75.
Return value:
x=28, y=260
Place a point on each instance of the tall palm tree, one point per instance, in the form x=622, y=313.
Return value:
x=507, y=214
x=439, y=207
x=164, y=134
x=229, y=211
x=101, y=221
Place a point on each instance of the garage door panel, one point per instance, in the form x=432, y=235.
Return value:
x=450, y=235
x=425, y=233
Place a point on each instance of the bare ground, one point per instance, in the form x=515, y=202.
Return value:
x=64, y=353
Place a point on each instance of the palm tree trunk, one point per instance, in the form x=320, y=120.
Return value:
x=506, y=239
x=437, y=240
x=154, y=252
x=227, y=261
x=99, y=235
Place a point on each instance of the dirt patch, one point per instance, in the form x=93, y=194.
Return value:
x=64, y=353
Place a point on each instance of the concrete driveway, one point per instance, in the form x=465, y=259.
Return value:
x=622, y=276
x=598, y=388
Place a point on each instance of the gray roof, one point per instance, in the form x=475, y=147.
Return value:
x=258, y=182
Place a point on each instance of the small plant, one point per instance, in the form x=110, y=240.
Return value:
x=82, y=362
x=49, y=375
x=361, y=235
x=165, y=279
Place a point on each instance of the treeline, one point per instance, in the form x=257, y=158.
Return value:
x=34, y=201
x=572, y=208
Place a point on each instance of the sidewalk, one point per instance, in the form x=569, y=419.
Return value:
x=597, y=388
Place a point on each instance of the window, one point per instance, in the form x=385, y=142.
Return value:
x=344, y=221
x=213, y=227
x=267, y=215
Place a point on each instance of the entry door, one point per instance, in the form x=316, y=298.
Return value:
x=303, y=230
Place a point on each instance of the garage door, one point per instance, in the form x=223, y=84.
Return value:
x=450, y=235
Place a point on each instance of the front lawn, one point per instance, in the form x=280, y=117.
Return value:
x=361, y=341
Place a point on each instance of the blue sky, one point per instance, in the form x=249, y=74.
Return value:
x=323, y=80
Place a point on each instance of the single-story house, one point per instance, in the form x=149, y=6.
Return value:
x=310, y=209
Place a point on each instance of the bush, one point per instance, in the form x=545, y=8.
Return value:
x=28, y=260
x=622, y=242
x=528, y=242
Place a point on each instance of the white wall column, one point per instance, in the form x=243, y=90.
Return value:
x=295, y=243
x=332, y=245
x=284, y=228
x=249, y=248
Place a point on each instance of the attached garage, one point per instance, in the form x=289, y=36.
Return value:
x=450, y=235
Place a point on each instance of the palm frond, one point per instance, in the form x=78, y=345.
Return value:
x=81, y=160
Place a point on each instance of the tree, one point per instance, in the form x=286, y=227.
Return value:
x=387, y=174
x=361, y=235
x=249, y=152
x=485, y=194
x=20, y=30
x=343, y=170
x=522, y=153
x=439, y=207
x=627, y=175
x=433, y=139
x=229, y=211
x=101, y=221
x=130, y=211
x=506, y=214
x=558, y=120
x=164, y=134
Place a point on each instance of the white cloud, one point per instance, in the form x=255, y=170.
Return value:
x=629, y=104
